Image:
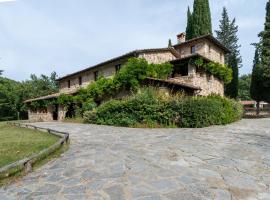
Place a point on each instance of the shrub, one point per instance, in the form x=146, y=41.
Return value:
x=148, y=108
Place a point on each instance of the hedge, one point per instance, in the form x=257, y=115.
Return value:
x=149, y=108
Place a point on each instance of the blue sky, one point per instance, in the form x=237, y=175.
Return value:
x=41, y=36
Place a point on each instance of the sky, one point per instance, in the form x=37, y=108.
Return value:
x=42, y=36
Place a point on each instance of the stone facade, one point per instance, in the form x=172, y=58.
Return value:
x=203, y=47
x=41, y=115
x=109, y=69
x=207, y=82
x=206, y=46
x=158, y=58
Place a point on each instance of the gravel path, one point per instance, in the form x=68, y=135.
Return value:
x=222, y=163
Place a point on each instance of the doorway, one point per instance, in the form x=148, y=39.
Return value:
x=55, y=112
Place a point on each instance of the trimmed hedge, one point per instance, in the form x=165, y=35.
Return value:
x=149, y=108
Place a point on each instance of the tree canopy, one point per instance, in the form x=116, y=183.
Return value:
x=199, y=22
x=13, y=94
x=264, y=67
x=227, y=35
x=244, y=87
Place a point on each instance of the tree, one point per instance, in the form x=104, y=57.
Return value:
x=201, y=19
x=1, y=72
x=189, y=31
x=227, y=35
x=265, y=58
x=244, y=87
x=256, y=86
x=13, y=94
x=170, y=43
x=40, y=86
x=231, y=89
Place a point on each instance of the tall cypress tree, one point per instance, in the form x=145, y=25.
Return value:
x=227, y=35
x=201, y=18
x=189, y=31
x=255, y=87
x=265, y=57
x=231, y=89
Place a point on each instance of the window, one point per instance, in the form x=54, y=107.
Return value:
x=80, y=80
x=117, y=68
x=96, y=75
x=221, y=57
x=209, y=48
x=193, y=49
x=68, y=83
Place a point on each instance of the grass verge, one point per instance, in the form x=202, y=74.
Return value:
x=18, y=143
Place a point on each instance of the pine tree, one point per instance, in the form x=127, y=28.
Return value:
x=265, y=57
x=170, y=43
x=201, y=18
x=189, y=25
x=231, y=89
x=227, y=35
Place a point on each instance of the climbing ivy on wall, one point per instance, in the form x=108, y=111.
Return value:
x=223, y=72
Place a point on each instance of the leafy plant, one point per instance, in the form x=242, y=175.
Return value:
x=223, y=72
x=149, y=108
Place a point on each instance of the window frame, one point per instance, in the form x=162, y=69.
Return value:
x=80, y=81
x=69, y=83
x=193, y=49
x=117, y=67
x=96, y=75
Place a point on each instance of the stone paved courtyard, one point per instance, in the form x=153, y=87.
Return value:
x=221, y=163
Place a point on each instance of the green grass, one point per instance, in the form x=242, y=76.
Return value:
x=18, y=143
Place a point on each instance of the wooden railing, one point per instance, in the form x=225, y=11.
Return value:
x=252, y=112
x=27, y=163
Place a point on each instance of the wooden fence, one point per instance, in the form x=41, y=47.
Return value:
x=27, y=163
x=251, y=112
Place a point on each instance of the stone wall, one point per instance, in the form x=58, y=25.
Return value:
x=41, y=115
x=205, y=48
x=208, y=83
x=108, y=70
x=158, y=58
x=61, y=113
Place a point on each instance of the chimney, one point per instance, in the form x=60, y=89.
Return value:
x=181, y=38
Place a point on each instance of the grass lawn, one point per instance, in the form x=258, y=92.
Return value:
x=18, y=143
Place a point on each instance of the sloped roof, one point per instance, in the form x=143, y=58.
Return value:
x=207, y=37
x=130, y=54
x=175, y=82
x=51, y=96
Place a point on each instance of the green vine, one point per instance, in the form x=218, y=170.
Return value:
x=223, y=72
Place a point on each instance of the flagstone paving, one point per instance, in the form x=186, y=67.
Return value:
x=222, y=163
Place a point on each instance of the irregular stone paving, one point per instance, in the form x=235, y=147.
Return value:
x=222, y=163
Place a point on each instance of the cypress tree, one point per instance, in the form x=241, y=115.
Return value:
x=170, y=43
x=189, y=25
x=231, y=89
x=227, y=35
x=255, y=87
x=265, y=58
x=201, y=19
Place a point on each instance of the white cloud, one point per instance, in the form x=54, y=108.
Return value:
x=4, y=1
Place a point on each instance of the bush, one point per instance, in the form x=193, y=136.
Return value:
x=149, y=108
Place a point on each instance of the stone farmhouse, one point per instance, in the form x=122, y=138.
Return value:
x=186, y=77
